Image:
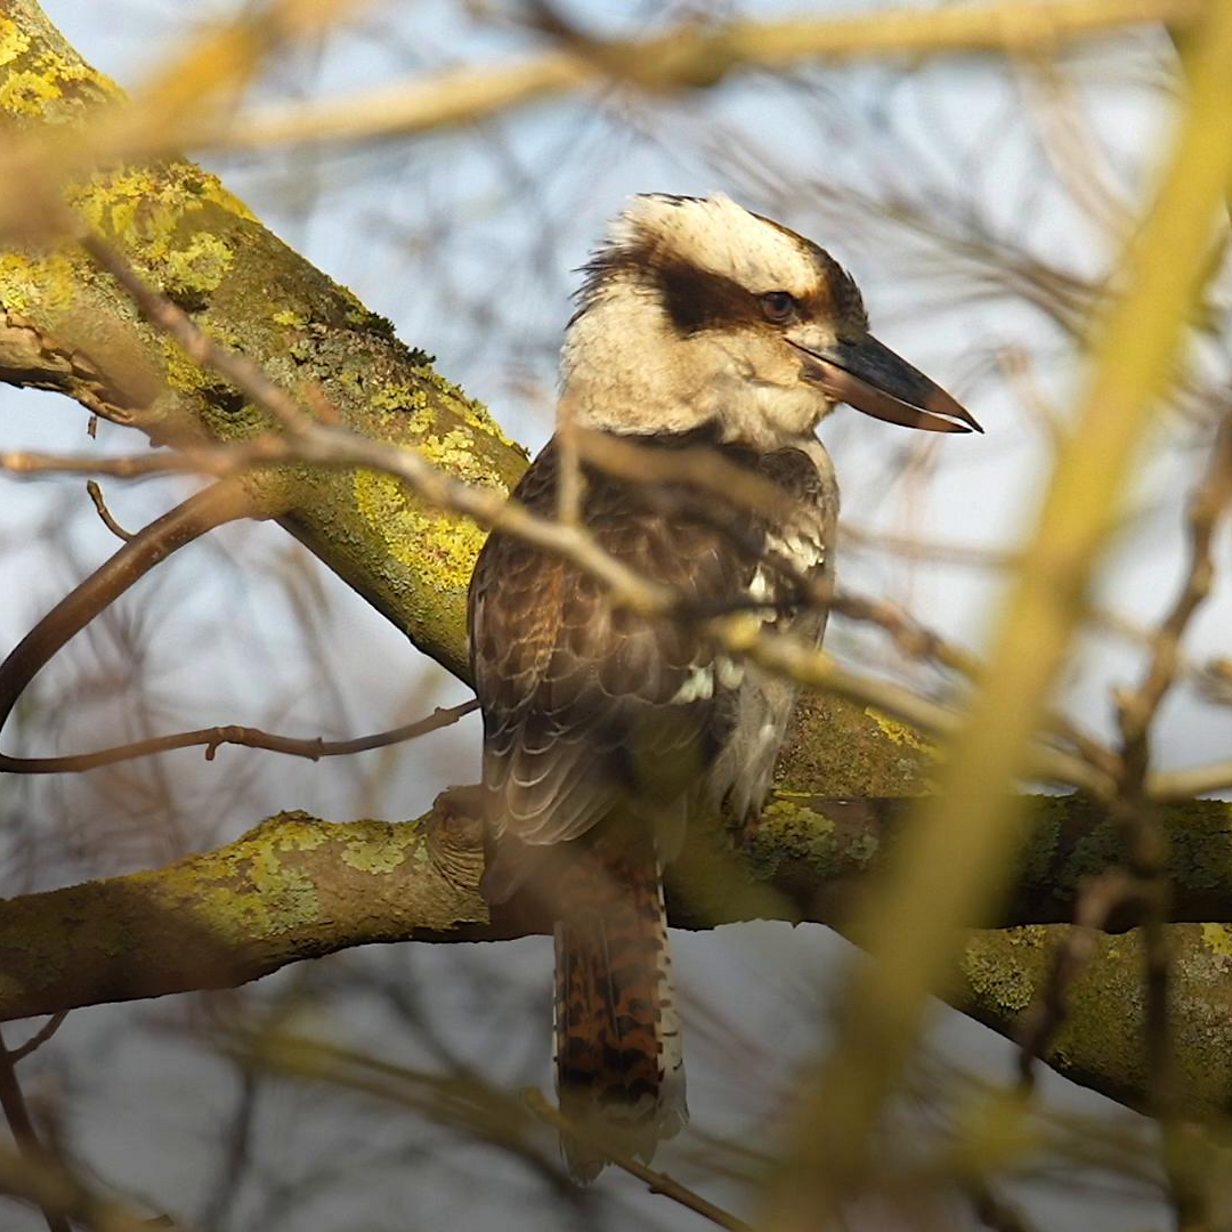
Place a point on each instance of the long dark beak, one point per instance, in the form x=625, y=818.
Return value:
x=873, y=379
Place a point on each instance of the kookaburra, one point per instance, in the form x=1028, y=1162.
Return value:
x=697, y=323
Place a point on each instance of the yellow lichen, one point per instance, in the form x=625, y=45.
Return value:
x=455, y=452
x=255, y=889
x=993, y=977
x=285, y=316
x=42, y=285
x=406, y=399
x=900, y=733
x=26, y=93
x=64, y=72
x=440, y=547
x=200, y=266
x=795, y=830
x=47, y=77
x=1218, y=939
x=371, y=855
x=182, y=374
x=788, y=807
x=13, y=40
x=148, y=207
x=295, y=834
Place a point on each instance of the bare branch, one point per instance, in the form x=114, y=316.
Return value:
x=29, y=1149
x=95, y=493
x=963, y=844
x=657, y=1182
x=201, y=513
x=689, y=56
x=212, y=738
x=65, y=1196
x=1137, y=709
x=39, y=1038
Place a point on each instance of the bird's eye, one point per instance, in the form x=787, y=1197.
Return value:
x=778, y=306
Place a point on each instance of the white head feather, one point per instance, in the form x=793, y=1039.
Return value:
x=717, y=235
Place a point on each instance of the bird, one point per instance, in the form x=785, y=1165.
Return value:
x=698, y=324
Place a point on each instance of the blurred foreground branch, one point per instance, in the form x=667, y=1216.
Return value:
x=297, y=888
x=689, y=56
x=963, y=846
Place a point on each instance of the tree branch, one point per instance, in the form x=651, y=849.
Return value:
x=297, y=887
x=691, y=56
x=66, y=327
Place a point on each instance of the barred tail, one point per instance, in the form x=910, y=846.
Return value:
x=619, y=1068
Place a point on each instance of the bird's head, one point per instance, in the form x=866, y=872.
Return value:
x=695, y=310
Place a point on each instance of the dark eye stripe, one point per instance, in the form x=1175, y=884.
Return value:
x=698, y=299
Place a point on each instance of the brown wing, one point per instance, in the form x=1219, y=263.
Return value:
x=585, y=706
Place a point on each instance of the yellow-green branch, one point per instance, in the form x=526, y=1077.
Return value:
x=297, y=888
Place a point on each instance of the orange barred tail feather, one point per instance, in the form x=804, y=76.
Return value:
x=619, y=1068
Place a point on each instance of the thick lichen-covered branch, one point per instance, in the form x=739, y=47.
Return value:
x=293, y=888
x=297, y=887
x=66, y=326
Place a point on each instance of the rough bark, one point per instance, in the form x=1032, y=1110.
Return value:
x=295, y=888
x=65, y=326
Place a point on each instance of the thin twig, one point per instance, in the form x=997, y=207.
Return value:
x=694, y=466
x=220, y=461
x=30, y=1149
x=64, y=1196
x=212, y=738
x=1169, y=786
x=140, y=553
x=690, y=55
x=1098, y=898
x=788, y=656
x=911, y=548
x=993, y=1211
x=223, y=502
x=40, y=1037
x=95, y=493
x=1146, y=840
x=658, y=1182
x=1137, y=709
x=571, y=489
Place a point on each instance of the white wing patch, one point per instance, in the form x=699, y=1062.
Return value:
x=723, y=673
x=803, y=552
x=730, y=671
x=698, y=686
